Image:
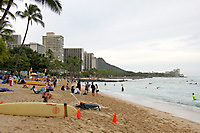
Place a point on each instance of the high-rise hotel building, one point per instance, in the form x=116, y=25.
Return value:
x=78, y=52
x=16, y=42
x=89, y=61
x=55, y=43
x=36, y=47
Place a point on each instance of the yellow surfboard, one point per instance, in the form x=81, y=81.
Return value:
x=35, y=83
x=37, y=109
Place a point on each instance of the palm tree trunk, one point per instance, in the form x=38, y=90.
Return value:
x=20, y=49
x=10, y=2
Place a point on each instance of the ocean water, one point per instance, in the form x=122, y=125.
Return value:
x=172, y=95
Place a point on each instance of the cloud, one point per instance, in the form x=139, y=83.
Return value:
x=136, y=35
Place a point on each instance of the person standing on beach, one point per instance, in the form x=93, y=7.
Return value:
x=97, y=89
x=79, y=85
x=86, y=87
x=122, y=88
x=54, y=82
x=72, y=86
x=93, y=89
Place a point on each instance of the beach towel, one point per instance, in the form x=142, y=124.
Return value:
x=5, y=89
x=5, y=81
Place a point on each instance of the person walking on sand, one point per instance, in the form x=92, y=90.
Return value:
x=122, y=88
x=93, y=89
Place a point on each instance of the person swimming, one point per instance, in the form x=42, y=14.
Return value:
x=194, y=96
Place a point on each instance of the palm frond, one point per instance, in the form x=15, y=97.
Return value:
x=9, y=13
x=37, y=15
x=39, y=21
x=54, y=5
x=7, y=31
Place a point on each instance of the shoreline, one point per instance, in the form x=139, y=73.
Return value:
x=183, y=111
x=131, y=117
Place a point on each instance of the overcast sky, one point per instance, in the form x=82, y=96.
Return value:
x=136, y=35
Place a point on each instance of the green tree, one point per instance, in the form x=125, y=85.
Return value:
x=3, y=51
x=5, y=31
x=28, y=58
x=49, y=55
x=73, y=65
x=56, y=67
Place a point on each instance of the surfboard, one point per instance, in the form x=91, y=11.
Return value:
x=37, y=109
x=35, y=83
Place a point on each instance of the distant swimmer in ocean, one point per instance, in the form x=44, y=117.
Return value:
x=194, y=96
x=122, y=88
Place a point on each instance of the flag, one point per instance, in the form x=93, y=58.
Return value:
x=31, y=69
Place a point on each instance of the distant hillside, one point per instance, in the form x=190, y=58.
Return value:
x=102, y=64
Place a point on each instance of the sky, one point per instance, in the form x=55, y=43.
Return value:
x=135, y=35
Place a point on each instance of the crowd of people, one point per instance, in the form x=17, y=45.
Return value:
x=74, y=86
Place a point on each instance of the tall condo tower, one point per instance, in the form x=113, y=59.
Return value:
x=89, y=61
x=78, y=52
x=55, y=43
x=16, y=42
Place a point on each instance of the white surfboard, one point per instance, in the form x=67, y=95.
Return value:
x=37, y=109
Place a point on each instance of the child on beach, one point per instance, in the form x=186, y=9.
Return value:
x=77, y=91
x=47, y=96
x=25, y=85
x=67, y=86
x=35, y=90
x=63, y=88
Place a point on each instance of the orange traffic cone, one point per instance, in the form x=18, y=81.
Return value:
x=79, y=114
x=114, y=119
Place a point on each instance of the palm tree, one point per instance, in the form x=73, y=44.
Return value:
x=4, y=3
x=33, y=13
x=54, y=5
x=5, y=32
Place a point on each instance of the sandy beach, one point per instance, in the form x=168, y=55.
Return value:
x=130, y=117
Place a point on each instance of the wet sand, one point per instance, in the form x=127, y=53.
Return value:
x=130, y=117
